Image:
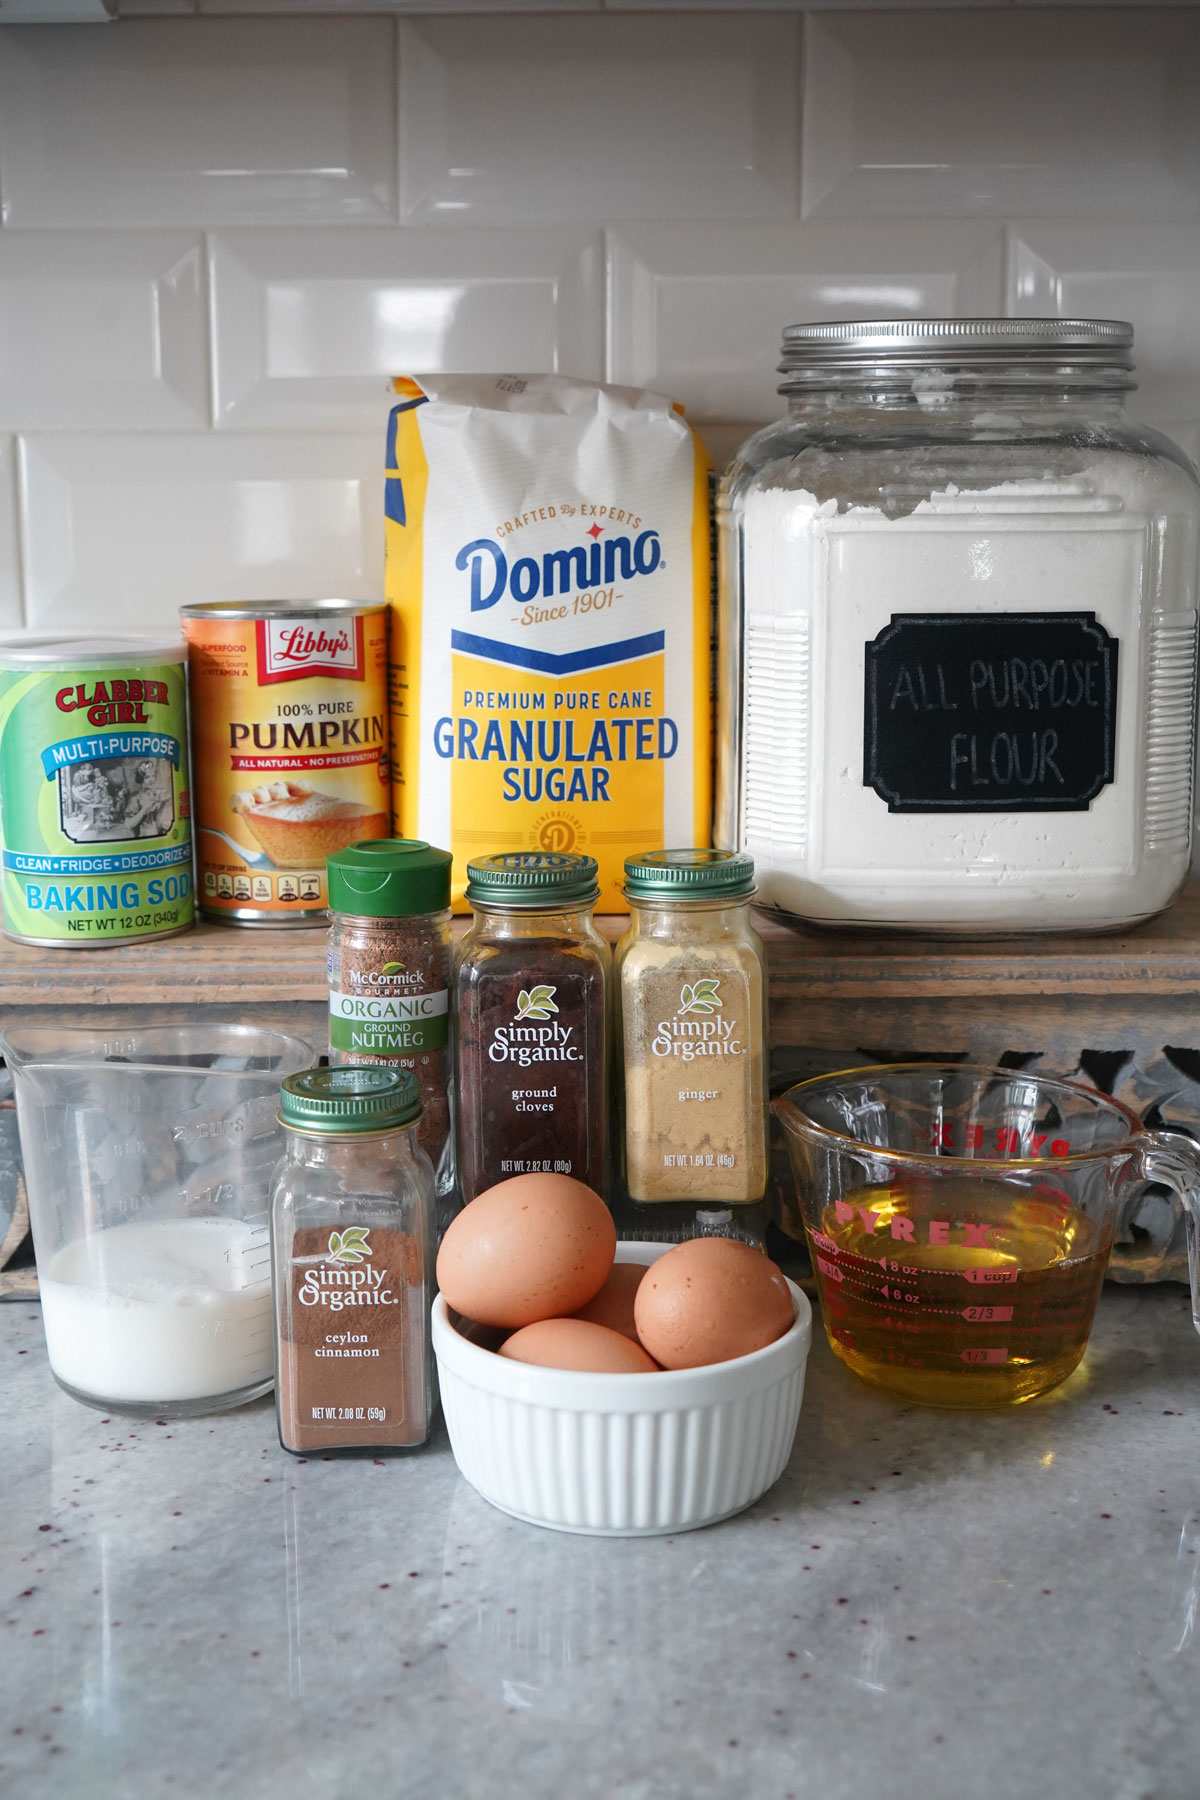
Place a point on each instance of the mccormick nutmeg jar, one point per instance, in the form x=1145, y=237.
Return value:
x=958, y=610
x=531, y=1003
x=390, y=962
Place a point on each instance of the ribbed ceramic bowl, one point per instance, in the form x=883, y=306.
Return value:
x=622, y=1455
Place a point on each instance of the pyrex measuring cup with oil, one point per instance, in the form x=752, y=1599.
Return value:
x=960, y=1220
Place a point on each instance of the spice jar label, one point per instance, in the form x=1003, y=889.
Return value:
x=386, y=1017
x=533, y=1073
x=693, y=1120
x=389, y=1003
x=342, y=1370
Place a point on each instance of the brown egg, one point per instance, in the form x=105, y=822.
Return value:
x=709, y=1300
x=577, y=1344
x=613, y=1305
x=535, y=1247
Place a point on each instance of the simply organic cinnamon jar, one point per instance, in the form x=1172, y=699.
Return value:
x=352, y=1249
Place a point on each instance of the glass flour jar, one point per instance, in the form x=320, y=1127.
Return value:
x=958, y=626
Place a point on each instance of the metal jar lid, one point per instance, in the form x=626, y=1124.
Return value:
x=389, y=878
x=532, y=878
x=279, y=609
x=829, y=346
x=88, y=652
x=350, y=1100
x=690, y=875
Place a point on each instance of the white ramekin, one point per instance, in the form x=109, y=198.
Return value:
x=622, y=1455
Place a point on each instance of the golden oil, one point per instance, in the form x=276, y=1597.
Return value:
x=962, y=1291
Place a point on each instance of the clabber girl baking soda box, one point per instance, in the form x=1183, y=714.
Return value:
x=548, y=572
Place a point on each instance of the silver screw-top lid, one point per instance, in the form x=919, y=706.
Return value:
x=830, y=345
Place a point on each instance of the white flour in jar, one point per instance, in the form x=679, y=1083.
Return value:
x=1116, y=540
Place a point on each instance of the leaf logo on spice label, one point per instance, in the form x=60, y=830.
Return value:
x=349, y=1246
x=536, y=1003
x=392, y=969
x=700, y=998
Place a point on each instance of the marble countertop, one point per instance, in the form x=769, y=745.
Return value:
x=997, y=1606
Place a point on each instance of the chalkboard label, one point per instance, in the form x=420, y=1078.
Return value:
x=1001, y=712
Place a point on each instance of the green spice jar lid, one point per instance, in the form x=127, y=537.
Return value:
x=690, y=875
x=532, y=878
x=354, y=1099
x=389, y=878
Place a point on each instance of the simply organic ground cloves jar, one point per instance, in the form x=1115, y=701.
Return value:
x=958, y=611
x=531, y=1001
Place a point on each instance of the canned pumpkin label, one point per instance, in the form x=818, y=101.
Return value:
x=290, y=735
x=95, y=814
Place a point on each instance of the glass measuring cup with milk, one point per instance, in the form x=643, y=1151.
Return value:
x=148, y=1154
x=960, y=1220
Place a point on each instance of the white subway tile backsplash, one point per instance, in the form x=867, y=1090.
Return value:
x=128, y=528
x=1144, y=272
x=212, y=216
x=998, y=112
x=698, y=312
x=198, y=121
x=11, y=611
x=100, y=328
x=543, y=119
x=308, y=324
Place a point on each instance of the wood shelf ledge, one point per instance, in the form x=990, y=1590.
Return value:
x=226, y=966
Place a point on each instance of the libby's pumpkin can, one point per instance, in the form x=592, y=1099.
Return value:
x=95, y=800
x=290, y=740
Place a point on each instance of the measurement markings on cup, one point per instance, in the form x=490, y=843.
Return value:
x=866, y=1292
x=840, y=1266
